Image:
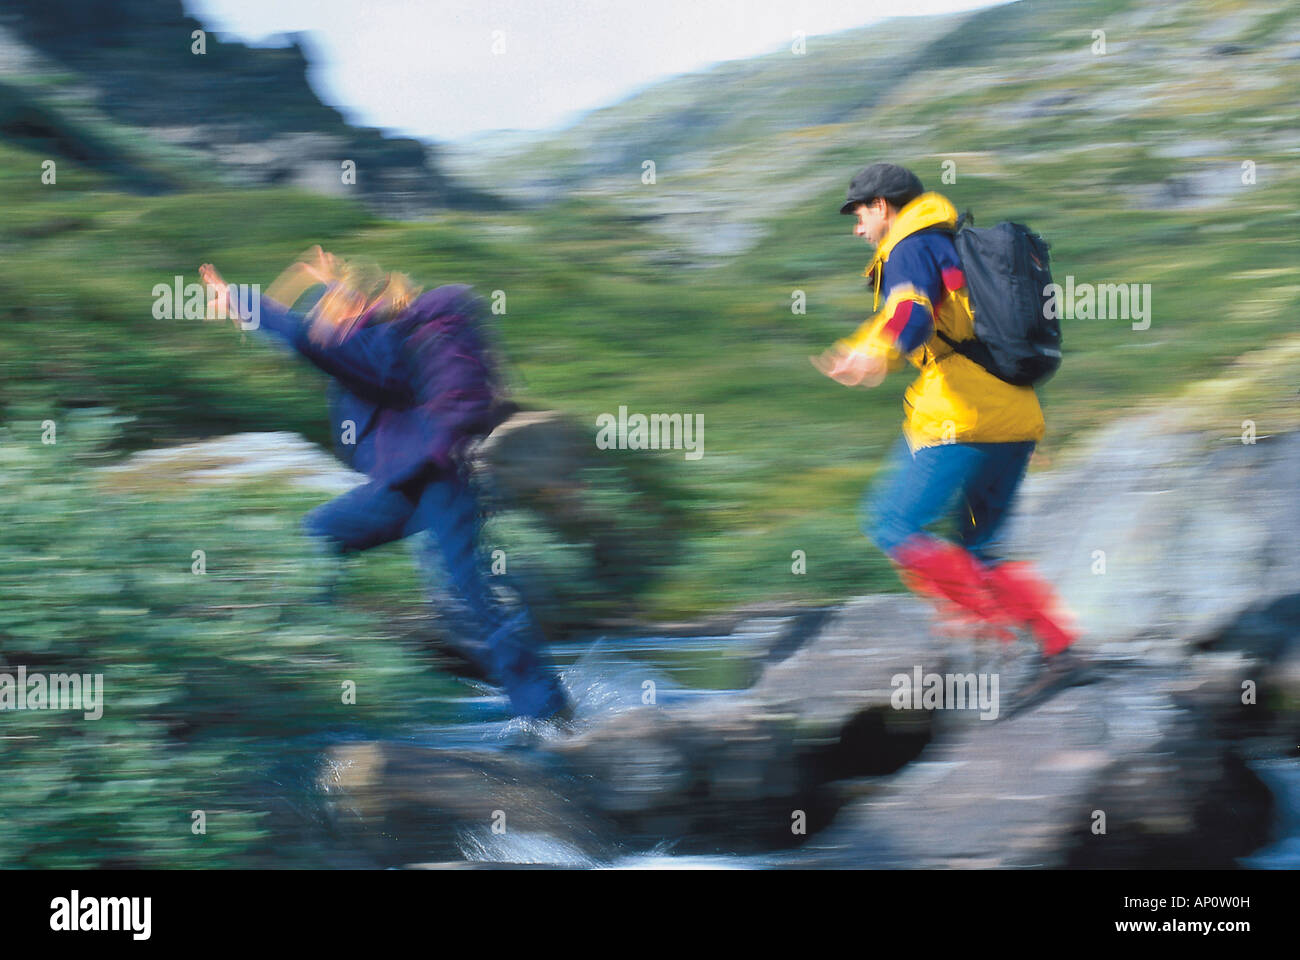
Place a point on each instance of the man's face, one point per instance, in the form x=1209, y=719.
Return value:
x=872, y=222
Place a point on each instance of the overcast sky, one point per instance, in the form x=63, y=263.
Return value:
x=426, y=68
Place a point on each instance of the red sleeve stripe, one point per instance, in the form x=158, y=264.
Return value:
x=953, y=278
x=899, y=320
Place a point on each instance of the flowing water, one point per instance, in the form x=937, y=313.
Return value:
x=605, y=678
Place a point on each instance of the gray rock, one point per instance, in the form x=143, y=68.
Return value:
x=1148, y=750
x=1194, y=531
x=406, y=803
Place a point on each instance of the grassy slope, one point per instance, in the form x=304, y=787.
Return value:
x=593, y=322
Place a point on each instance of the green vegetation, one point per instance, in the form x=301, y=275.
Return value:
x=593, y=323
x=206, y=677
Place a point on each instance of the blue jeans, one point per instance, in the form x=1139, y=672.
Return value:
x=445, y=510
x=976, y=480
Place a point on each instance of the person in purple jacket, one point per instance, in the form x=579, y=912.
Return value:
x=412, y=385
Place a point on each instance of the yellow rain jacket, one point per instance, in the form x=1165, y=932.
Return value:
x=954, y=399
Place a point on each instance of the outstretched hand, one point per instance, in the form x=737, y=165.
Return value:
x=321, y=264
x=315, y=267
x=218, y=294
x=853, y=368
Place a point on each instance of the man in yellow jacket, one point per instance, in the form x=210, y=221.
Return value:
x=967, y=436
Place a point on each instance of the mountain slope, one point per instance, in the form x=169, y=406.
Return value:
x=1182, y=94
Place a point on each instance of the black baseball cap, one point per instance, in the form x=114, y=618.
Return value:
x=896, y=184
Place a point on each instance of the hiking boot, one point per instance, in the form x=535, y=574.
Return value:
x=526, y=673
x=1055, y=673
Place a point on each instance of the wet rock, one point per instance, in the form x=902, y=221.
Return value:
x=725, y=772
x=848, y=667
x=700, y=775
x=406, y=803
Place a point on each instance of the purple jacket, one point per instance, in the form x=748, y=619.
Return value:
x=415, y=387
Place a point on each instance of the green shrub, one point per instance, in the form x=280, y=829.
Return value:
x=207, y=678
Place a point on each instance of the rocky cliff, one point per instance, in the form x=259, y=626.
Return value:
x=250, y=113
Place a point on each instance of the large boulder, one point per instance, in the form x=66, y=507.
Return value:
x=1138, y=770
x=405, y=803
x=1157, y=535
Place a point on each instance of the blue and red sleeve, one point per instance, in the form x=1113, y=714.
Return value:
x=917, y=277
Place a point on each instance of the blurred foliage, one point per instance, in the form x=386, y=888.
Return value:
x=205, y=676
x=608, y=302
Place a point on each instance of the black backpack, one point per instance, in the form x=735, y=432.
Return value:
x=1007, y=275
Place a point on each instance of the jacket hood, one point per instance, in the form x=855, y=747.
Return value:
x=927, y=210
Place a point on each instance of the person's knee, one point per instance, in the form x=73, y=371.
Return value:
x=314, y=526
x=887, y=529
x=318, y=530
x=982, y=544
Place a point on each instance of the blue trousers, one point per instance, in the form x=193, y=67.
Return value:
x=445, y=510
x=976, y=481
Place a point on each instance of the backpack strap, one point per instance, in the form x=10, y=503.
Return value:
x=954, y=344
x=963, y=220
x=975, y=351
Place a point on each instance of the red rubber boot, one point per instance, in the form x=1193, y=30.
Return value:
x=951, y=577
x=1027, y=599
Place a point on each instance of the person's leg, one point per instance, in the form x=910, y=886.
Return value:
x=366, y=516
x=906, y=498
x=457, y=589
x=1020, y=594
x=461, y=629
x=447, y=513
x=919, y=489
x=985, y=504
x=448, y=509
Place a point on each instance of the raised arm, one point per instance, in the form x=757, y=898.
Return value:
x=369, y=362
